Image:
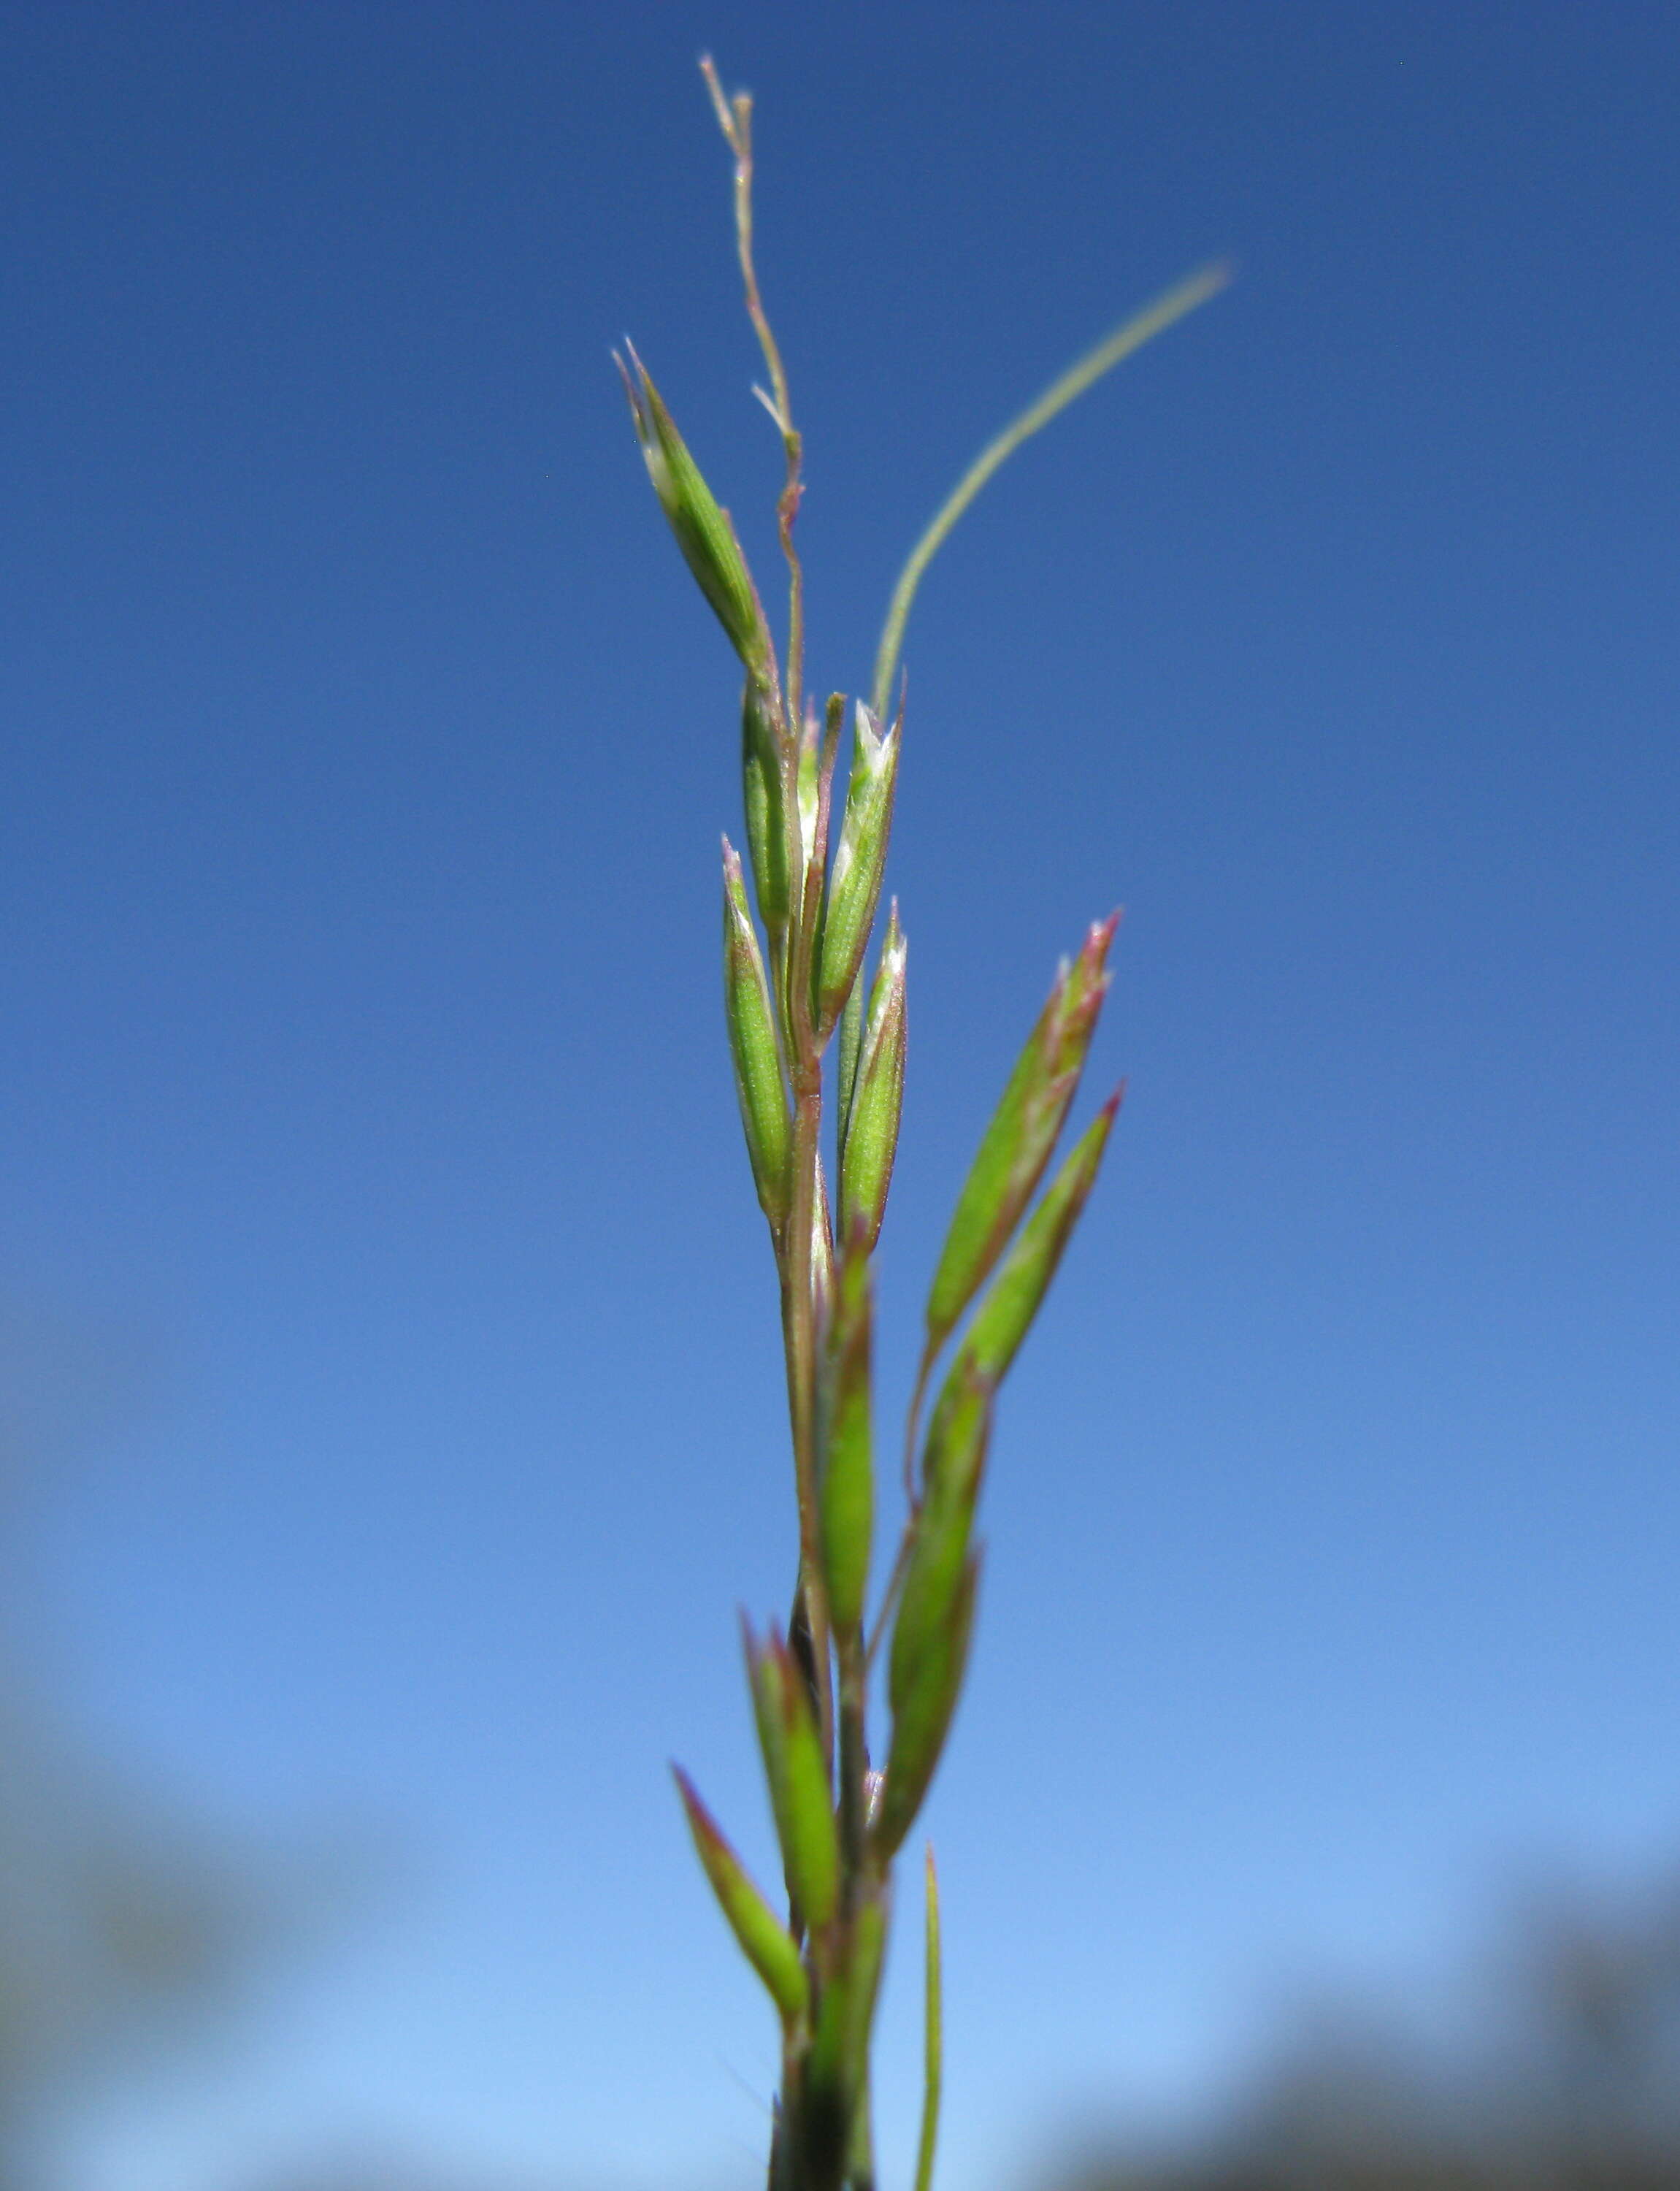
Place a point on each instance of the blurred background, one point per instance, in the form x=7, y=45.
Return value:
x=388, y=1384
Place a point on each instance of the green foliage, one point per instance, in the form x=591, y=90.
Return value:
x=703, y=530
x=786, y=997
x=1011, y=1301
x=797, y=1775
x=932, y=2021
x=1024, y=1130
x=876, y=1090
x=849, y=1461
x=765, y=1941
x=751, y=1020
x=860, y=863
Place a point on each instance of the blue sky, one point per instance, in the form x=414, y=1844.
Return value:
x=366, y=751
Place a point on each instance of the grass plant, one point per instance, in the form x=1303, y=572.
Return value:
x=811, y=1024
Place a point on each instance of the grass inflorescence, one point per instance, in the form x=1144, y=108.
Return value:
x=810, y=1025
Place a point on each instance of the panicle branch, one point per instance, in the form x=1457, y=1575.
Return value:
x=735, y=119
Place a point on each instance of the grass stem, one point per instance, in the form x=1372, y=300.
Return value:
x=1142, y=327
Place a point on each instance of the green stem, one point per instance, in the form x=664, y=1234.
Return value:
x=912, y=1500
x=1152, y=321
x=860, y=2168
x=933, y=2021
x=854, y=1762
x=799, y=1320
